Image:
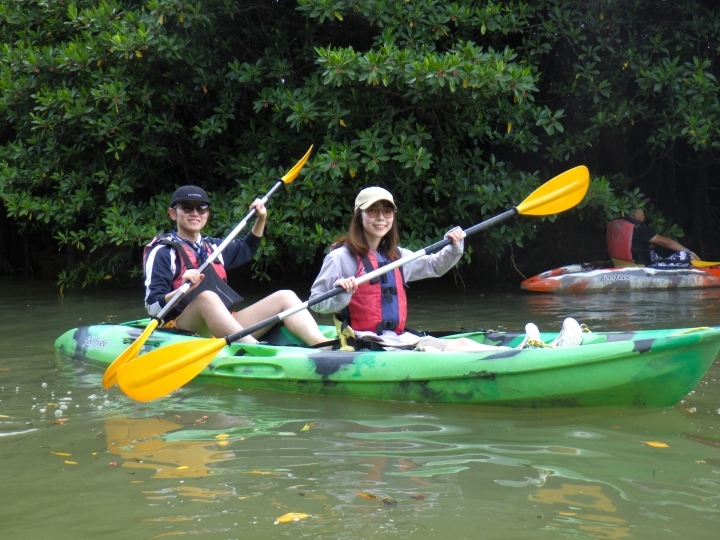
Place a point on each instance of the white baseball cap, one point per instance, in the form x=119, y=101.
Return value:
x=369, y=196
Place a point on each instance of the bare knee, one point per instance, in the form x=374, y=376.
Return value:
x=207, y=299
x=286, y=298
x=204, y=304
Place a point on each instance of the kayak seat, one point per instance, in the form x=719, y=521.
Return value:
x=619, y=263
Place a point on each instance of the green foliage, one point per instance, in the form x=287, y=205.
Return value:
x=461, y=109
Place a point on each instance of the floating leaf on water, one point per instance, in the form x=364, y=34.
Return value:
x=182, y=467
x=63, y=454
x=223, y=443
x=306, y=427
x=70, y=462
x=292, y=516
x=222, y=436
x=368, y=496
x=656, y=444
x=562, y=449
x=261, y=472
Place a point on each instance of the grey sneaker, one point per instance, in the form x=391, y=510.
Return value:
x=570, y=335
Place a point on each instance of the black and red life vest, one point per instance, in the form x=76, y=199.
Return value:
x=380, y=304
x=215, y=275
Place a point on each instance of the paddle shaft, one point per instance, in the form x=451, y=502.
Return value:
x=434, y=248
x=182, y=291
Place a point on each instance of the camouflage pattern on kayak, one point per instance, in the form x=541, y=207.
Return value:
x=651, y=368
x=591, y=277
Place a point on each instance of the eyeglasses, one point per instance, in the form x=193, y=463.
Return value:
x=372, y=213
x=189, y=208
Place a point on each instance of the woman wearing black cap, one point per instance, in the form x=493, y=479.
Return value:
x=172, y=259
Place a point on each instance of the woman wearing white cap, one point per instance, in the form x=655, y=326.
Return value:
x=377, y=311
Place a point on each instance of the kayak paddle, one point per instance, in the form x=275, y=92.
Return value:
x=160, y=372
x=132, y=351
x=704, y=264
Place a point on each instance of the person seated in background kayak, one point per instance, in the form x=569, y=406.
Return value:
x=377, y=310
x=629, y=241
x=172, y=259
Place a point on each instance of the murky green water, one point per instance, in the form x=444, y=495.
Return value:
x=218, y=463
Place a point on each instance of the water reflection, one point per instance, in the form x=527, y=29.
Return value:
x=143, y=444
x=222, y=463
x=369, y=466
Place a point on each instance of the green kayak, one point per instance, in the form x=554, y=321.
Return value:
x=651, y=368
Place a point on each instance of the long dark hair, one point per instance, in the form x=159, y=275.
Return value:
x=357, y=243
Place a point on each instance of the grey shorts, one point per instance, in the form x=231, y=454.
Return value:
x=426, y=343
x=432, y=343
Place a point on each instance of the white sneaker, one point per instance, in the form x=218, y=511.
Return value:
x=532, y=332
x=532, y=337
x=570, y=335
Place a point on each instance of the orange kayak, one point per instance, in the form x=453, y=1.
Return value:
x=594, y=277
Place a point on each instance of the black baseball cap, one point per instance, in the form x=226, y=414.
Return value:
x=189, y=193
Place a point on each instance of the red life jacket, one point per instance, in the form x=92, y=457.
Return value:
x=380, y=304
x=619, y=239
x=215, y=275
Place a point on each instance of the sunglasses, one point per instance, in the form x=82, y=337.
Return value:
x=189, y=208
x=372, y=213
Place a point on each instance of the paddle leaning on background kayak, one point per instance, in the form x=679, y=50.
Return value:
x=163, y=370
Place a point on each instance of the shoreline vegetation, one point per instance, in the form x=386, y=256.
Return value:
x=460, y=109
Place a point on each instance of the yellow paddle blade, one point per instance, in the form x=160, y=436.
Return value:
x=292, y=173
x=557, y=195
x=159, y=372
x=128, y=354
x=704, y=264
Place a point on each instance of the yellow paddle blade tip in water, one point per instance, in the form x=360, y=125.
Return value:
x=160, y=372
x=110, y=376
x=558, y=194
x=292, y=173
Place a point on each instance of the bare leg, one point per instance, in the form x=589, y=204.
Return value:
x=301, y=324
x=208, y=316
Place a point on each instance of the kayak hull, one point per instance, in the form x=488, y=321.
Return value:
x=654, y=368
x=590, y=277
